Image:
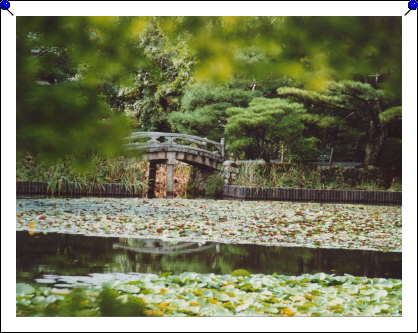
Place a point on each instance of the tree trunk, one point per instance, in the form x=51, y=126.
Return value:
x=375, y=138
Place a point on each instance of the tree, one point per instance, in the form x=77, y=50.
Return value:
x=204, y=104
x=204, y=109
x=91, y=60
x=353, y=108
x=310, y=49
x=61, y=64
x=260, y=129
x=155, y=90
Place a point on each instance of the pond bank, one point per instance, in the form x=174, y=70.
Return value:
x=313, y=195
x=29, y=188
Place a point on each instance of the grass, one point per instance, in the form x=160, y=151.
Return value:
x=63, y=175
x=304, y=176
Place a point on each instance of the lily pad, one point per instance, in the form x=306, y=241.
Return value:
x=317, y=225
x=23, y=289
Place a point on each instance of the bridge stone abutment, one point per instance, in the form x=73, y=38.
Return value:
x=229, y=172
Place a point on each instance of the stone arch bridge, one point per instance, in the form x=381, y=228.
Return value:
x=167, y=148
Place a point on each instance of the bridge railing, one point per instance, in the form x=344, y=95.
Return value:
x=160, y=141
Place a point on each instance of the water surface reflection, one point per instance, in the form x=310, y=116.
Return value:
x=66, y=254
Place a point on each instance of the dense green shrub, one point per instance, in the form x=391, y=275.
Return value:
x=214, y=186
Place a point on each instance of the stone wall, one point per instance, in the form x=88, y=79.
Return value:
x=229, y=171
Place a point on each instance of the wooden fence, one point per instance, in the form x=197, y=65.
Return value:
x=25, y=188
x=229, y=192
x=312, y=195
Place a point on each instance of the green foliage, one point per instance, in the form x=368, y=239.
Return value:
x=79, y=302
x=303, y=176
x=78, y=78
x=111, y=304
x=65, y=113
x=229, y=295
x=261, y=129
x=204, y=106
x=240, y=272
x=23, y=289
x=390, y=114
x=290, y=46
x=349, y=112
x=61, y=120
x=214, y=186
x=345, y=105
x=37, y=302
x=282, y=175
x=155, y=91
x=65, y=175
x=356, y=55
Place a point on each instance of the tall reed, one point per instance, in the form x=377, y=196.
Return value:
x=64, y=176
x=305, y=176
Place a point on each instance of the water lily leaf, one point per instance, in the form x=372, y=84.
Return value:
x=166, y=274
x=38, y=299
x=245, y=296
x=287, y=312
x=23, y=289
x=320, y=276
x=366, y=292
x=217, y=310
x=240, y=272
x=221, y=296
x=127, y=288
x=109, y=284
x=45, y=280
x=336, y=301
x=380, y=293
x=53, y=298
x=23, y=302
x=242, y=307
x=372, y=310
x=317, y=225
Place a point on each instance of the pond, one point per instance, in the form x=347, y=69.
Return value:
x=284, y=224
x=42, y=254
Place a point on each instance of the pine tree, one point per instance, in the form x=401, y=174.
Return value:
x=259, y=130
x=205, y=105
x=355, y=109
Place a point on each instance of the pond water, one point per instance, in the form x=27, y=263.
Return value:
x=67, y=254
